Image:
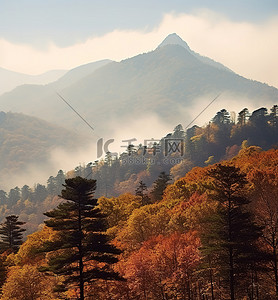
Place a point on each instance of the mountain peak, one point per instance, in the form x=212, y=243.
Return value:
x=174, y=39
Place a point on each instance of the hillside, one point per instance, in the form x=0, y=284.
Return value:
x=26, y=143
x=165, y=82
x=178, y=240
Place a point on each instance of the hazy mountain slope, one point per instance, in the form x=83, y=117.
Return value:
x=42, y=100
x=10, y=80
x=78, y=73
x=165, y=82
x=27, y=142
x=158, y=82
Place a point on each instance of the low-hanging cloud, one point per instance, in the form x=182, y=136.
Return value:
x=249, y=49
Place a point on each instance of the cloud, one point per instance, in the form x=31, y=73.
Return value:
x=249, y=49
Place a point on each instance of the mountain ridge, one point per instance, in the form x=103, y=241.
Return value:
x=159, y=82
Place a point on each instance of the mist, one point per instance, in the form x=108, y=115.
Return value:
x=130, y=129
x=247, y=48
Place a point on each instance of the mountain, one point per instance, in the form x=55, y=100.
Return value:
x=10, y=80
x=174, y=39
x=78, y=73
x=27, y=143
x=165, y=82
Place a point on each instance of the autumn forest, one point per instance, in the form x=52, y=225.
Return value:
x=198, y=221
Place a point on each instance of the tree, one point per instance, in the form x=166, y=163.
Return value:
x=40, y=193
x=3, y=197
x=14, y=196
x=222, y=117
x=242, y=117
x=159, y=186
x=230, y=234
x=51, y=185
x=265, y=204
x=140, y=191
x=273, y=116
x=178, y=132
x=259, y=116
x=11, y=233
x=81, y=250
x=163, y=267
x=26, y=283
x=26, y=192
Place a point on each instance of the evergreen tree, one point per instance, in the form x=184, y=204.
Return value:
x=159, y=186
x=40, y=193
x=222, y=117
x=11, y=233
x=242, y=117
x=59, y=180
x=26, y=192
x=140, y=191
x=14, y=196
x=3, y=197
x=51, y=185
x=273, y=116
x=81, y=239
x=230, y=235
x=178, y=132
x=259, y=117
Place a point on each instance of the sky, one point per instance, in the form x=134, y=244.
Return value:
x=37, y=35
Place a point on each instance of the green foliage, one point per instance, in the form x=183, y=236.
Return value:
x=82, y=251
x=141, y=192
x=159, y=186
x=11, y=233
x=230, y=234
x=218, y=140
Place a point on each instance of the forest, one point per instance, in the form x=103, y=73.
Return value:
x=204, y=228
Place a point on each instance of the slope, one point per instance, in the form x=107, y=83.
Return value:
x=162, y=82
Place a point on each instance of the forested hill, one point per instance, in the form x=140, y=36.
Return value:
x=221, y=139
x=165, y=82
x=177, y=244
x=27, y=142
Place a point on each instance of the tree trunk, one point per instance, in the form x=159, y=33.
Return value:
x=80, y=248
x=231, y=259
x=211, y=279
x=275, y=269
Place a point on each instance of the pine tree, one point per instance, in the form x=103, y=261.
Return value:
x=11, y=233
x=230, y=235
x=243, y=117
x=140, y=191
x=222, y=117
x=159, y=186
x=81, y=239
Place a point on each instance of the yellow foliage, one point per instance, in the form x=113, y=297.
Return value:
x=27, y=252
x=27, y=283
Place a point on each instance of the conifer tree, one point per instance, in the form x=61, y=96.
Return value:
x=159, y=186
x=11, y=233
x=230, y=235
x=81, y=242
x=140, y=191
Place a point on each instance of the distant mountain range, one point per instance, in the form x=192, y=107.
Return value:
x=164, y=82
x=10, y=80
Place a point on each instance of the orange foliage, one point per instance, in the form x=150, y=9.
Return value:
x=163, y=265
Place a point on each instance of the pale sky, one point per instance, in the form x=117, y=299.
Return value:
x=41, y=35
